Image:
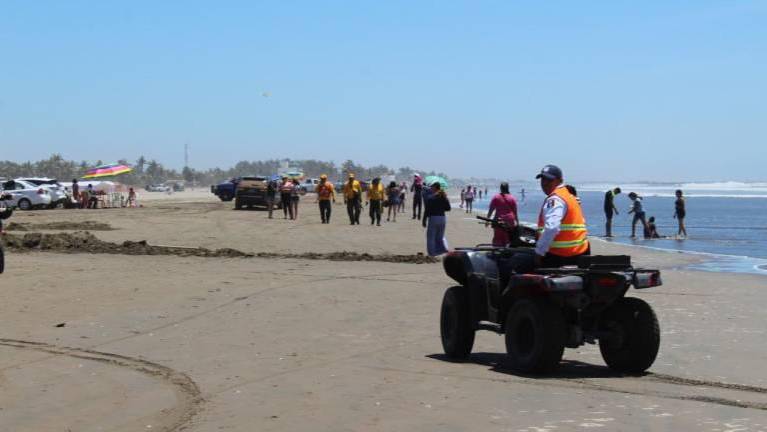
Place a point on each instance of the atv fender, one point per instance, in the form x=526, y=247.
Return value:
x=533, y=285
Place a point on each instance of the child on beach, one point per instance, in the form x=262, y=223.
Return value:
x=131, y=202
x=639, y=214
x=652, y=230
x=680, y=213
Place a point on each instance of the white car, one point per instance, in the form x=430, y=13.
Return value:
x=59, y=194
x=25, y=195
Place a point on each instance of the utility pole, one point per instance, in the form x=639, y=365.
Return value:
x=186, y=155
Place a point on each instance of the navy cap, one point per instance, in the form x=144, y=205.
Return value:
x=550, y=172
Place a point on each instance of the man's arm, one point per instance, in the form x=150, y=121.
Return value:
x=553, y=212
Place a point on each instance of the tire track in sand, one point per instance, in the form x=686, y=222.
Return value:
x=188, y=395
x=624, y=384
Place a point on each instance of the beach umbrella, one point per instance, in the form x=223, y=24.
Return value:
x=430, y=180
x=107, y=171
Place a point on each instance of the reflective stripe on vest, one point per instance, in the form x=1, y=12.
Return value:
x=572, y=237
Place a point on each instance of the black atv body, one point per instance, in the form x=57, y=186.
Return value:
x=543, y=311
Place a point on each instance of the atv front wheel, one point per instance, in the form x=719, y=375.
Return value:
x=535, y=335
x=633, y=346
x=456, y=327
x=237, y=204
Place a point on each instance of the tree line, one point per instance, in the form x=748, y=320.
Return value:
x=151, y=171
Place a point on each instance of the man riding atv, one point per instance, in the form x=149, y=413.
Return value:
x=545, y=292
x=561, y=224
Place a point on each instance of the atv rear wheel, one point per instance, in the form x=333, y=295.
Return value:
x=2, y=259
x=456, y=327
x=636, y=336
x=535, y=335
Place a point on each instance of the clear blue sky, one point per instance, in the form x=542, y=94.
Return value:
x=611, y=90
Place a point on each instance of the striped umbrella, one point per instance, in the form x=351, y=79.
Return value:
x=107, y=171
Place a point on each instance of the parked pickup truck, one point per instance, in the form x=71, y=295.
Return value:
x=226, y=190
x=251, y=191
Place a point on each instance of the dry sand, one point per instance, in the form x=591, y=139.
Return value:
x=103, y=342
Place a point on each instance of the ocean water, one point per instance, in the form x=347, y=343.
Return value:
x=726, y=222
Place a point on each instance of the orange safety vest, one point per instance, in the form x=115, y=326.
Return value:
x=324, y=191
x=571, y=240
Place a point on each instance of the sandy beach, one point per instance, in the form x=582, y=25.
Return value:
x=112, y=342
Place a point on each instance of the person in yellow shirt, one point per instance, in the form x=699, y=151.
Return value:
x=375, y=197
x=353, y=199
x=325, y=193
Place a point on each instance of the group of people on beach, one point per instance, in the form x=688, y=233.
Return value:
x=468, y=194
x=88, y=197
x=649, y=228
x=430, y=205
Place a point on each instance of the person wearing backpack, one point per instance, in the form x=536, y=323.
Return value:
x=325, y=193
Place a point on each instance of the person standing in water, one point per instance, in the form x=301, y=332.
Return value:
x=325, y=193
x=505, y=208
x=679, y=213
x=417, y=189
x=610, y=209
x=468, y=198
x=639, y=214
x=435, y=221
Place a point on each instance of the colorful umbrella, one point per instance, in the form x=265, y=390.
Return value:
x=107, y=171
x=430, y=180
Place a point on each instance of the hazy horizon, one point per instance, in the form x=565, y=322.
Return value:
x=653, y=91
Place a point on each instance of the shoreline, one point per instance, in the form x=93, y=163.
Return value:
x=716, y=262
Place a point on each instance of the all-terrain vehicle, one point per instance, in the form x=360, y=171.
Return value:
x=5, y=213
x=543, y=311
x=251, y=191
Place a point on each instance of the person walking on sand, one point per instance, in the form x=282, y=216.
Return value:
x=75, y=192
x=468, y=198
x=402, y=196
x=679, y=213
x=392, y=197
x=325, y=193
x=417, y=189
x=610, y=209
x=295, y=198
x=435, y=221
x=286, y=190
x=375, y=198
x=505, y=208
x=353, y=199
x=131, y=202
x=639, y=214
x=271, y=196
x=463, y=197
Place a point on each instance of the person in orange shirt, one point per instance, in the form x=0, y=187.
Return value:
x=375, y=197
x=353, y=199
x=562, y=234
x=325, y=193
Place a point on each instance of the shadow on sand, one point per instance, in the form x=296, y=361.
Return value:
x=568, y=369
